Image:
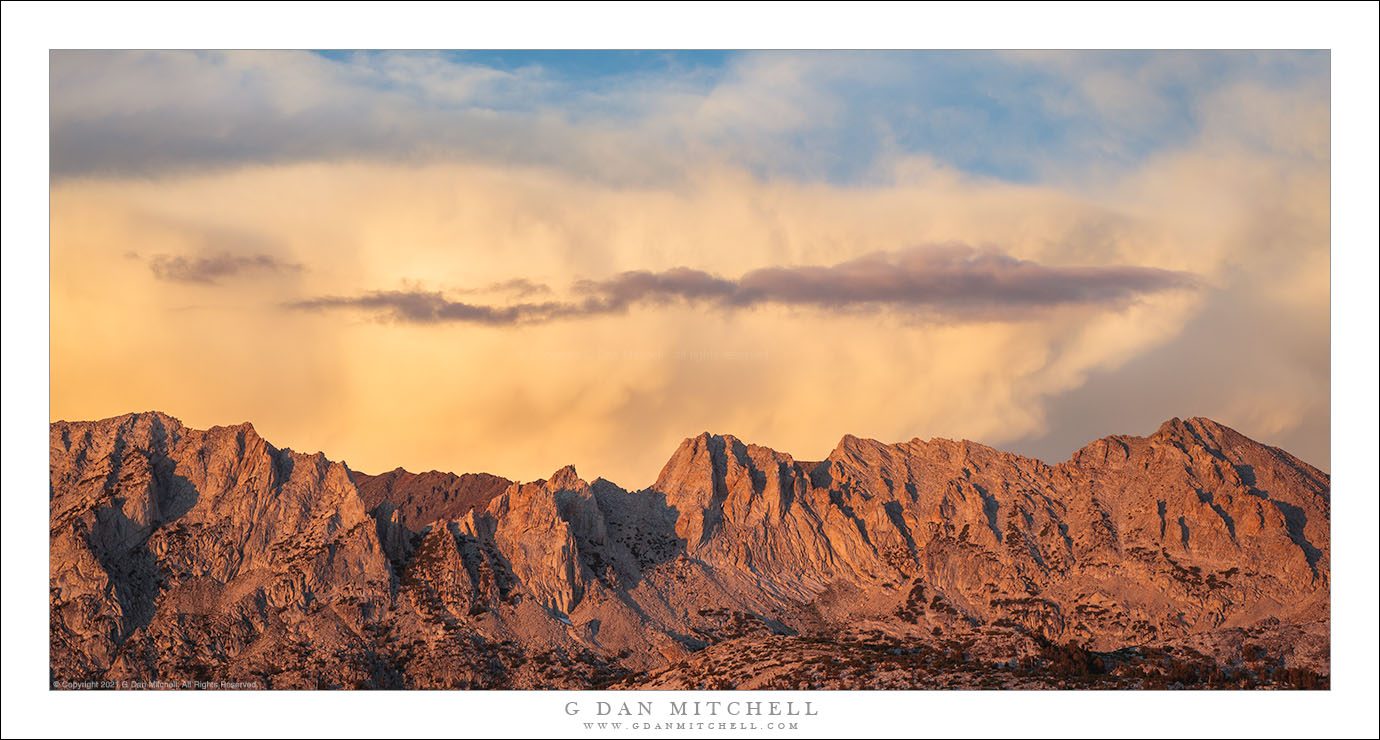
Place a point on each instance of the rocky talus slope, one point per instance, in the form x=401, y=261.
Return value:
x=1192, y=557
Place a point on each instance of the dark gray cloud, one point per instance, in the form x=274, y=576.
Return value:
x=424, y=307
x=209, y=269
x=519, y=288
x=677, y=283
x=946, y=278
x=937, y=281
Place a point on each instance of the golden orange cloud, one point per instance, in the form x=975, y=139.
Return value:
x=613, y=394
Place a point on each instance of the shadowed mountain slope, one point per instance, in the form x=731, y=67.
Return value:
x=1194, y=555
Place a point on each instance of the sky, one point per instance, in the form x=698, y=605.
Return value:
x=513, y=261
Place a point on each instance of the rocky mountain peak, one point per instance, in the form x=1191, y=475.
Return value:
x=179, y=551
x=566, y=479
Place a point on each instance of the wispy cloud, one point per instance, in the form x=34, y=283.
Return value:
x=944, y=280
x=210, y=269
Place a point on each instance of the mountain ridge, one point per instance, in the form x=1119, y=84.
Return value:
x=1168, y=424
x=166, y=539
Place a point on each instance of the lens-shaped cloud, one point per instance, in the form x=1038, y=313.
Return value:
x=942, y=280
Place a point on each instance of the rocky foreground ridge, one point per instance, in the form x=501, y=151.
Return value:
x=1192, y=557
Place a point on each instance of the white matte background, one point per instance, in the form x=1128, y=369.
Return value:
x=30, y=30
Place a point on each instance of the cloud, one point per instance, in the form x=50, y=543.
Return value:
x=423, y=307
x=836, y=115
x=155, y=112
x=210, y=269
x=677, y=283
x=518, y=288
x=1216, y=366
x=1234, y=189
x=944, y=280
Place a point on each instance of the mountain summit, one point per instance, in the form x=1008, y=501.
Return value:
x=1194, y=556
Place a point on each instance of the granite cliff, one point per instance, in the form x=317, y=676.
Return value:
x=1191, y=557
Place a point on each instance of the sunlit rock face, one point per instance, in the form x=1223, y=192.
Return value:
x=180, y=554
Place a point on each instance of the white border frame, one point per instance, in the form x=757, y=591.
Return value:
x=1349, y=30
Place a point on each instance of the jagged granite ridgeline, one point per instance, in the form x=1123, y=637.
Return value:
x=1192, y=557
